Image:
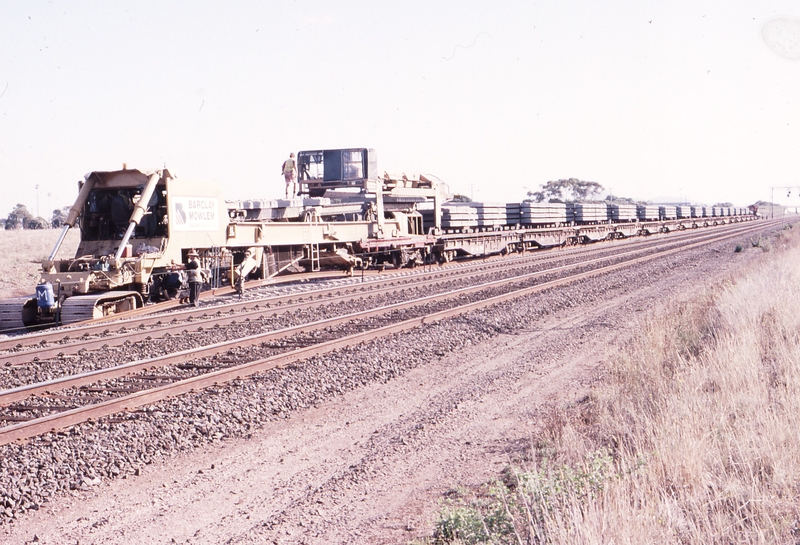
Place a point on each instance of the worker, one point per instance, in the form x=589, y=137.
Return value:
x=195, y=277
x=289, y=170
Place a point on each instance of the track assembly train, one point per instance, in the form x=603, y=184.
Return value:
x=137, y=229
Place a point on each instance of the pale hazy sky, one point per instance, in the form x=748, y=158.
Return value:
x=689, y=99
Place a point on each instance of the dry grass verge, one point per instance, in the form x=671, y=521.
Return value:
x=21, y=255
x=693, y=435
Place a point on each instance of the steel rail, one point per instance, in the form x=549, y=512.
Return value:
x=16, y=394
x=95, y=326
x=121, y=320
x=212, y=316
x=38, y=348
x=71, y=417
x=250, y=340
x=47, y=352
x=131, y=318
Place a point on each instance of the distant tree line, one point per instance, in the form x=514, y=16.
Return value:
x=566, y=190
x=21, y=218
x=575, y=190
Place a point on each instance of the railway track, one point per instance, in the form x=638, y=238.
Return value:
x=42, y=346
x=13, y=306
x=108, y=325
x=255, y=293
x=38, y=408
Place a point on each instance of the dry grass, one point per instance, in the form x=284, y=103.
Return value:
x=21, y=255
x=692, y=437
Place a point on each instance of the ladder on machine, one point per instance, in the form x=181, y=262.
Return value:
x=314, y=249
x=313, y=246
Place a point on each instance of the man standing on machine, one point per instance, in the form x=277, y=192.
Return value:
x=289, y=170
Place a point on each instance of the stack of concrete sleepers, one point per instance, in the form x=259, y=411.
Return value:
x=545, y=213
x=590, y=212
x=716, y=211
x=647, y=212
x=513, y=213
x=458, y=215
x=276, y=209
x=256, y=209
x=623, y=212
x=490, y=214
x=668, y=212
x=683, y=212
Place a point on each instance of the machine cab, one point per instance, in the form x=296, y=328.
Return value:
x=106, y=213
x=108, y=209
x=321, y=170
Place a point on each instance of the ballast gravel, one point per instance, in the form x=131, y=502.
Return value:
x=42, y=469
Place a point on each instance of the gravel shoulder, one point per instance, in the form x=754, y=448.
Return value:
x=372, y=464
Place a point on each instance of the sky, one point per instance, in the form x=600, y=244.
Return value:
x=691, y=100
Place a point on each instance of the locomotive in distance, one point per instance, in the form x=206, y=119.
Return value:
x=138, y=227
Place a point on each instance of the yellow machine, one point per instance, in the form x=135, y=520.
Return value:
x=138, y=227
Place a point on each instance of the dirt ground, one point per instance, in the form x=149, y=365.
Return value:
x=21, y=255
x=373, y=465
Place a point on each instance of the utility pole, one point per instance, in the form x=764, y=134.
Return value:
x=772, y=197
x=37, y=200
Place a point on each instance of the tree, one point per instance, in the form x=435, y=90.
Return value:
x=460, y=198
x=18, y=217
x=571, y=189
x=623, y=200
x=59, y=217
x=37, y=223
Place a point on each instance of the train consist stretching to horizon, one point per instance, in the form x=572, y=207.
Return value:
x=138, y=227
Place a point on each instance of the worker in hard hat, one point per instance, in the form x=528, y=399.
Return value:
x=195, y=277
